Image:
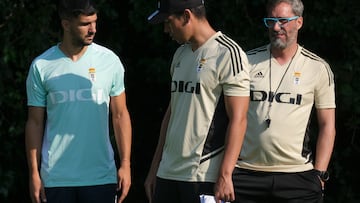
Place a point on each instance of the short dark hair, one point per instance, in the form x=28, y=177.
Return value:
x=69, y=9
x=199, y=12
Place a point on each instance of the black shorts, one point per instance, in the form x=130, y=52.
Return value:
x=84, y=194
x=275, y=187
x=171, y=191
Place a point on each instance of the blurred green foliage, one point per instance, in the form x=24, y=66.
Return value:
x=28, y=27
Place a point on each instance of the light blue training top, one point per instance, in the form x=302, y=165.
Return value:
x=76, y=148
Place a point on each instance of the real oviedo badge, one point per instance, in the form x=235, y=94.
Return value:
x=92, y=75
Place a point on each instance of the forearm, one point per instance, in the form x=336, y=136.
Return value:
x=123, y=136
x=233, y=143
x=34, y=131
x=326, y=138
x=324, y=148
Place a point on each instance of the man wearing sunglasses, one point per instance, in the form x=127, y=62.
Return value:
x=276, y=163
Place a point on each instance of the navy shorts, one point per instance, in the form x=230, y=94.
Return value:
x=275, y=187
x=172, y=191
x=84, y=194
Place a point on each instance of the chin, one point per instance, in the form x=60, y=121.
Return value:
x=88, y=42
x=277, y=43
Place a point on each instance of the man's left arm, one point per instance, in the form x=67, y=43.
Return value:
x=326, y=138
x=123, y=136
x=236, y=108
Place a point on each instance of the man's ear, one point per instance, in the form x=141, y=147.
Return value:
x=187, y=16
x=299, y=22
x=65, y=24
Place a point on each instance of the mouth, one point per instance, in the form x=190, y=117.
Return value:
x=89, y=38
x=278, y=35
x=281, y=32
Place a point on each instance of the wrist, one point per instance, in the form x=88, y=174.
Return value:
x=323, y=175
x=125, y=162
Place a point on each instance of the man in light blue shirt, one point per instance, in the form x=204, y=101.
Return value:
x=72, y=88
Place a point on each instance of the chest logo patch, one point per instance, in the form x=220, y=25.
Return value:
x=92, y=74
x=259, y=75
x=297, y=78
x=201, y=63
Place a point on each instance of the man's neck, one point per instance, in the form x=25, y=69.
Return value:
x=201, y=34
x=284, y=55
x=73, y=52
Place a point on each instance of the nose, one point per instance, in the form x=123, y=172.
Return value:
x=277, y=26
x=92, y=28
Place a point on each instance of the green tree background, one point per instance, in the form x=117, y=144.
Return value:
x=28, y=27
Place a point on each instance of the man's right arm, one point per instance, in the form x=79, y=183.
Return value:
x=34, y=131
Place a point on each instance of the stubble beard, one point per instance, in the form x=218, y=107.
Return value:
x=278, y=43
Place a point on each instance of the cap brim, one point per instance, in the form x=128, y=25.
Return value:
x=157, y=17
